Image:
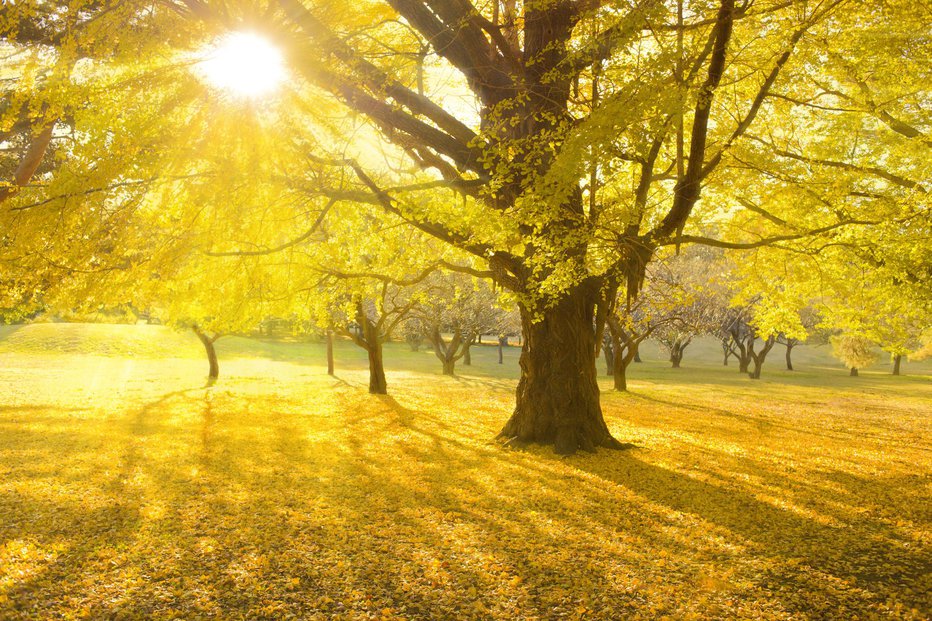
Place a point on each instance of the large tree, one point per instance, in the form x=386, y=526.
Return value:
x=590, y=131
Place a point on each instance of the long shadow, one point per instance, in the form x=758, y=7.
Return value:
x=762, y=423
x=873, y=561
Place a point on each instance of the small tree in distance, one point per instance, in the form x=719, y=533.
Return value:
x=856, y=352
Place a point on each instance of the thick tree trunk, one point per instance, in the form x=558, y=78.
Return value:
x=449, y=367
x=208, y=342
x=637, y=356
x=677, y=350
x=330, y=369
x=789, y=357
x=558, y=394
x=744, y=362
x=377, y=383
x=896, y=364
x=854, y=372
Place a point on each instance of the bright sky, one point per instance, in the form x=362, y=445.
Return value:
x=244, y=64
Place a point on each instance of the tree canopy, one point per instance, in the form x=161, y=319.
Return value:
x=552, y=146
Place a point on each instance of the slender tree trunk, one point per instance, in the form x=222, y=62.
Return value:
x=726, y=350
x=620, y=370
x=609, y=351
x=330, y=370
x=377, y=383
x=896, y=364
x=637, y=356
x=208, y=342
x=467, y=354
x=759, y=357
x=789, y=357
x=370, y=340
x=558, y=393
x=854, y=372
x=502, y=341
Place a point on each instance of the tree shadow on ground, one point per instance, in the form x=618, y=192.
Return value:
x=340, y=504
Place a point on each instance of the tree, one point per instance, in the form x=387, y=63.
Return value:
x=682, y=301
x=574, y=98
x=461, y=306
x=855, y=352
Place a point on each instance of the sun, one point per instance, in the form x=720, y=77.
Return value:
x=244, y=64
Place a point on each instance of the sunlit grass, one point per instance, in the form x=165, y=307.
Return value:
x=128, y=489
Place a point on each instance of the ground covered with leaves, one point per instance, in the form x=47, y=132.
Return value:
x=129, y=490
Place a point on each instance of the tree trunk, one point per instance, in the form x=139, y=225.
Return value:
x=726, y=349
x=759, y=357
x=854, y=372
x=377, y=383
x=330, y=352
x=620, y=370
x=449, y=367
x=789, y=358
x=896, y=364
x=208, y=342
x=676, y=357
x=467, y=355
x=609, y=351
x=637, y=356
x=558, y=393
x=502, y=341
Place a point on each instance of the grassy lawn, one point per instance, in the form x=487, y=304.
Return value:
x=128, y=490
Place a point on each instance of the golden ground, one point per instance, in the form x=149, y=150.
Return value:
x=128, y=490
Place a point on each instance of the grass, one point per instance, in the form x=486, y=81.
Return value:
x=128, y=490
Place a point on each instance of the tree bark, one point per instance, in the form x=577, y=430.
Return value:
x=789, y=357
x=449, y=367
x=677, y=350
x=502, y=341
x=637, y=356
x=759, y=357
x=854, y=372
x=369, y=339
x=558, y=394
x=330, y=370
x=620, y=371
x=896, y=364
x=377, y=383
x=208, y=342
x=609, y=351
x=467, y=354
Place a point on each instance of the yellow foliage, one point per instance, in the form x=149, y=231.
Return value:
x=128, y=490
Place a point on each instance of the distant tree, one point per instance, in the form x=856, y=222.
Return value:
x=856, y=352
x=460, y=306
